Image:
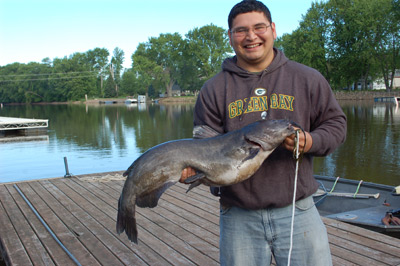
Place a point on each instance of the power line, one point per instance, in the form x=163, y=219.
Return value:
x=22, y=80
x=49, y=74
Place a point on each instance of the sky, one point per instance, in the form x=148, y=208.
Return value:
x=31, y=30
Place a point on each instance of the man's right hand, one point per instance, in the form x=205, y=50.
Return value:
x=187, y=172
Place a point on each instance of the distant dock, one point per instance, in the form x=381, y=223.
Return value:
x=394, y=99
x=13, y=123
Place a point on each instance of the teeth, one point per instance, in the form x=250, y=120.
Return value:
x=252, y=46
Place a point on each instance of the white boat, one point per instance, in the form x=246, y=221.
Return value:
x=131, y=101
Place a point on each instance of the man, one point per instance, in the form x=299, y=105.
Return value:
x=255, y=216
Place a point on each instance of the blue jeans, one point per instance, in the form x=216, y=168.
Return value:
x=251, y=237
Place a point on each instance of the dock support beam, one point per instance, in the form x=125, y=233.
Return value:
x=67, y=174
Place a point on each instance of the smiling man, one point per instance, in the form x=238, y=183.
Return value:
x=260, y=82
x=252, y=37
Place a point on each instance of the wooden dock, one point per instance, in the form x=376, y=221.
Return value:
x=182, y=230
x=13, y=123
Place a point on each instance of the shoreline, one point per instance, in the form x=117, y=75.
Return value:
x=339, y=95
x=364, y=95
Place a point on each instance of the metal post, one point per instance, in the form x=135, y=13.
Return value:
x=67, y=174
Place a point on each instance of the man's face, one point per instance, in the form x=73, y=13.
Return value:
x=254, y=51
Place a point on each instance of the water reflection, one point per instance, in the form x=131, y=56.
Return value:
x=371, y=151
x=93, y=138
x=104, y=138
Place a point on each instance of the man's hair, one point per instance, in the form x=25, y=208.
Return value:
x=247, y=6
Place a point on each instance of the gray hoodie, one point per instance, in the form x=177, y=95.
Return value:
x=285, y=90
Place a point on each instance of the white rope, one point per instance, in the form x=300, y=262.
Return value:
x=294, y=196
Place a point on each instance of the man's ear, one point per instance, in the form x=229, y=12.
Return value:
x=273, y=27
x=230, y=37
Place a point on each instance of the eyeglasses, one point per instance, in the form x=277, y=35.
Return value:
x=243, y=31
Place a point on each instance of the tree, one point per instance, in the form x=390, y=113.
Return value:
x=204, y=51
x=348, y=40
x=62, y=79
x=146, y=70
x=161, y=62
x=152, y=92
x=387, y=38
x=116, y=66
x=129, y=83
x=73, y=78
x=310, y=43
x=352, y=27
x=157, y=61
x=12, y=85
x=98, y=59
x=365, y=34
x=166, y=52
x=109, y=88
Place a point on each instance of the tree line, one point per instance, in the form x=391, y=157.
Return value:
x=157, y=65
x=346, y=40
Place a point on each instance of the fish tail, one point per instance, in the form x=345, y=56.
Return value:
x=126, y=221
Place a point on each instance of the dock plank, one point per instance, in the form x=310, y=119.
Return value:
x=93, y=190
x=364, y=233
x=157, y=242
x=108, y=248
x=55, y=251
x=60, y=221
x=371, y=247
x=359, y=254
x=182, y=230
x=36, y=251
x=154, y=221
x=10, y=244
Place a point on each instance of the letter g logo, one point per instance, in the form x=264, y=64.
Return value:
x=260, y=91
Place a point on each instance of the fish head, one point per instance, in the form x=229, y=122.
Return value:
x=268, y=134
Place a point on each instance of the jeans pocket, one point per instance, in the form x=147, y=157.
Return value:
x=305, y=204
x=224, y=209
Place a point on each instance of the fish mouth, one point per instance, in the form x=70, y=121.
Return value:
x=254, y=143
x=260, y=143
x=257, y=143
x=294, y=126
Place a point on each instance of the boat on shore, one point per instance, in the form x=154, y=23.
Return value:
x=131, y=101
x=359, y=203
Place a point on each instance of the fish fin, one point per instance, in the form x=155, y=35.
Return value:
x=150, y=200
x=253, y=153
x=203, y=131
x=194, y=178
x=126, y=221
x=129, y=170
x=193, y=185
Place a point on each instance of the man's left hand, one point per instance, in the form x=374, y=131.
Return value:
x=305, y=141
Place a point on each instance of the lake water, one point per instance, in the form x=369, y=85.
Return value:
x=103, y=138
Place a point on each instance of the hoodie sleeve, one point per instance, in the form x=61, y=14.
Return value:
x=207, y=110
x=328, y=122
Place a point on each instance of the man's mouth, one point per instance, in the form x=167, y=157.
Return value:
x=253, y=45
